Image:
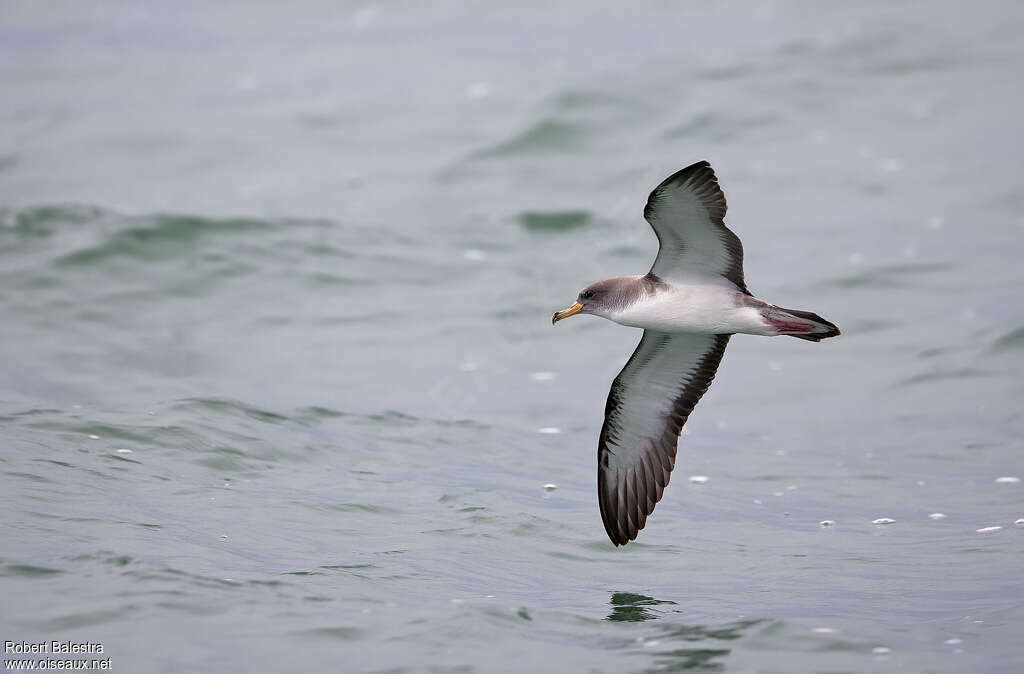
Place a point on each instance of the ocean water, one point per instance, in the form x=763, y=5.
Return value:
x=279, y=390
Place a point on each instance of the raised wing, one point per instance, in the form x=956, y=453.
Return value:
x=647, y=406
x=687, y=213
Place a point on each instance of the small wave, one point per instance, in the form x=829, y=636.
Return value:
x=720, y=127
x=628, y=251
x=367, y=508
x=332, y=633
x=333, y=279
x=232, y=406
x=39, y=221
x=1011, y=341
x=544, y=136
x=29, y=476
x=554, y=221
x=317, y=412
x=28, y=571
x=582, y=99
x=890, y=276
x=158, y=237
x=959, y=373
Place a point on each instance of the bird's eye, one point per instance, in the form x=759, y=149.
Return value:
x=586, y=294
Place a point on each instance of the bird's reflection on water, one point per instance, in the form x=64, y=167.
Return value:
x=629, y=607
x=678, y=647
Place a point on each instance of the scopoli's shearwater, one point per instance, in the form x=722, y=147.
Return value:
x=689, y=304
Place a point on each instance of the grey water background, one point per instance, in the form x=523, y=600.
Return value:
x=279, y=391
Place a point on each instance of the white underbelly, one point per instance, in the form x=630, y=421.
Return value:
x=708, y=309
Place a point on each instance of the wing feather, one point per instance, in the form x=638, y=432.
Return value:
x=648, y=404
x=687, y=213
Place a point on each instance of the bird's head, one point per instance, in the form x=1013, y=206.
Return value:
x=597, y=298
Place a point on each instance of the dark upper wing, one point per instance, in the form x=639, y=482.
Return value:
x=647, y=406
x=687, y=213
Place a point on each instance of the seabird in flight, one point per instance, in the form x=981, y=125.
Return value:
x=689, y=304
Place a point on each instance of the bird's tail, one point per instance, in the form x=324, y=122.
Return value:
x=799, y=324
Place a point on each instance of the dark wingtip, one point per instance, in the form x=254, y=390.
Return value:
x=554, y=318
x=618, y=540
x=684, y=174
x=620, y=531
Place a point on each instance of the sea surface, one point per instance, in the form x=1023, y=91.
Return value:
x=279, y=390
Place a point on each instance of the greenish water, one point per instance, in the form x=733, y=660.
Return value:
x=279, y=391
